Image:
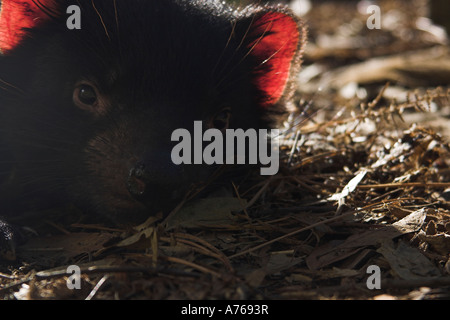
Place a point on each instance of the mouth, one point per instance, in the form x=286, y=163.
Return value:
x=124, y=208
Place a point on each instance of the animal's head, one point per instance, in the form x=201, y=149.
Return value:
x=91, y=111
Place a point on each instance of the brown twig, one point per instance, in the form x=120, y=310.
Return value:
x=339, y=217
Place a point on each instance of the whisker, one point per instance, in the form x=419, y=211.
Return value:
x=233, y=28
x=9, y=85
x=249, y=51
x=46, y=9
x=116, y=15
x=101, y=19
x=239, y=46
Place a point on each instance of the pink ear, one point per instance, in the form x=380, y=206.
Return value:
x=277, y=41
x=15, y=15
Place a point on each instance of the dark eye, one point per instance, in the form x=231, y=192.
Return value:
x=221, y=120
x=87, y=95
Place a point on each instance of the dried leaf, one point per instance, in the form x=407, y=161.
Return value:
x=337, y=273
x=349, y=188
x=206, y=212
x=256, y=277
x=281, y=261
x=298, y=277
x=135, y=238
x=439, y=242
x=407, y=261
x=330, y=252
x=64, y=247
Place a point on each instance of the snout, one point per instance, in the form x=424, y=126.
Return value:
x=156, y=181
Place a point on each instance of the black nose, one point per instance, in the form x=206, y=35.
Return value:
x=138, y=181
x=154, y=179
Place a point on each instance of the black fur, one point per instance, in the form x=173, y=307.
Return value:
x=158, y=65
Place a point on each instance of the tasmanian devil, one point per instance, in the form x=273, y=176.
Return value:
x=91, y=91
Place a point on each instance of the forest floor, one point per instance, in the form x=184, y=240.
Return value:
x=359, y=210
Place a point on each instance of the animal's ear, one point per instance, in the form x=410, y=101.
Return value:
x=274, y=40
x=18, y=15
